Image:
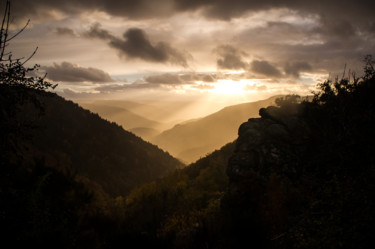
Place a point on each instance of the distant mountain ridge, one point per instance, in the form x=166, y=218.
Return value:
x=159, y=115
x=196, y=138
x=128, y=119
x=41, y=126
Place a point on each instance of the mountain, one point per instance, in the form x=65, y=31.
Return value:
x=153, y=114
x=40, y=126
x=144, y=132
x=194, y=139
x=121, y=116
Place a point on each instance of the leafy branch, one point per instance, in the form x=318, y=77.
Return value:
x=12, y=71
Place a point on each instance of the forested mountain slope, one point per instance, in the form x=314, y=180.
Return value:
x=41, y=126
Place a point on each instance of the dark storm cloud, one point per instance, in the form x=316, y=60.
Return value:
x=96, y=31
x=338, y=28
x=136, y=9
x=264, y=68
x=136, y=45
x=230, y=58
x=65, y=31
x=69, y=72
x=295, y=68
x=220, y=9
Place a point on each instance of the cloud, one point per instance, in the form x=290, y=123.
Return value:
x=208, y=78
x=134, y=9
x=136, y=45
x=230, y=58
x=223, y=9
x=204, y=86
x=193, y=77
x=264, y=68
x=69, y=72
x=218, y=9
x=164, y=79
x=324, y=33
x=338, y=28
x=295, y=68
x=96, y=31
x=71, y=94
x=63, y=31
x=108, y=88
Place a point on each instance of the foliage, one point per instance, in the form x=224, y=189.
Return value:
x=62, y=131
x=64, y=170
x=285, y=102
x=182, y=209
x=326, y=200
x=13, y=71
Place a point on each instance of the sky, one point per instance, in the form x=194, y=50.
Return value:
x=208, y=50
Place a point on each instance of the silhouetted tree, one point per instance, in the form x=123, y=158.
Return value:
x=13, y=71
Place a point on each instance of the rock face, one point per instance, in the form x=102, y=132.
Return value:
x=302, y=176
x=263, y=143
x=264, y=161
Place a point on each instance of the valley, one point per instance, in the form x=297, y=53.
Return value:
x=187, y=140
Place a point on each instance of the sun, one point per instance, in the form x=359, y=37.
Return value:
x=230, y=87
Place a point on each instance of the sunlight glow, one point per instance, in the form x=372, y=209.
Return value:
x=231, y=87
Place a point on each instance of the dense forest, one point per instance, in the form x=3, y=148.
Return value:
x=44, y=127
x=52, y=148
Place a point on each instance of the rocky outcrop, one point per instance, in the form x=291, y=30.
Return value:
x=264, y=144
x=265, y=161
x=302, y=176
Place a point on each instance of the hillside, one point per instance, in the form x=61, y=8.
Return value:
x=139, y=125
x=62, y=169
x=155, y=114
x=191, y=140
x=168, y=210
x=41, y=126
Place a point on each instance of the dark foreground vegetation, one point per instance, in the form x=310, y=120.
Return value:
x=303, y=175
x=300, y=176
